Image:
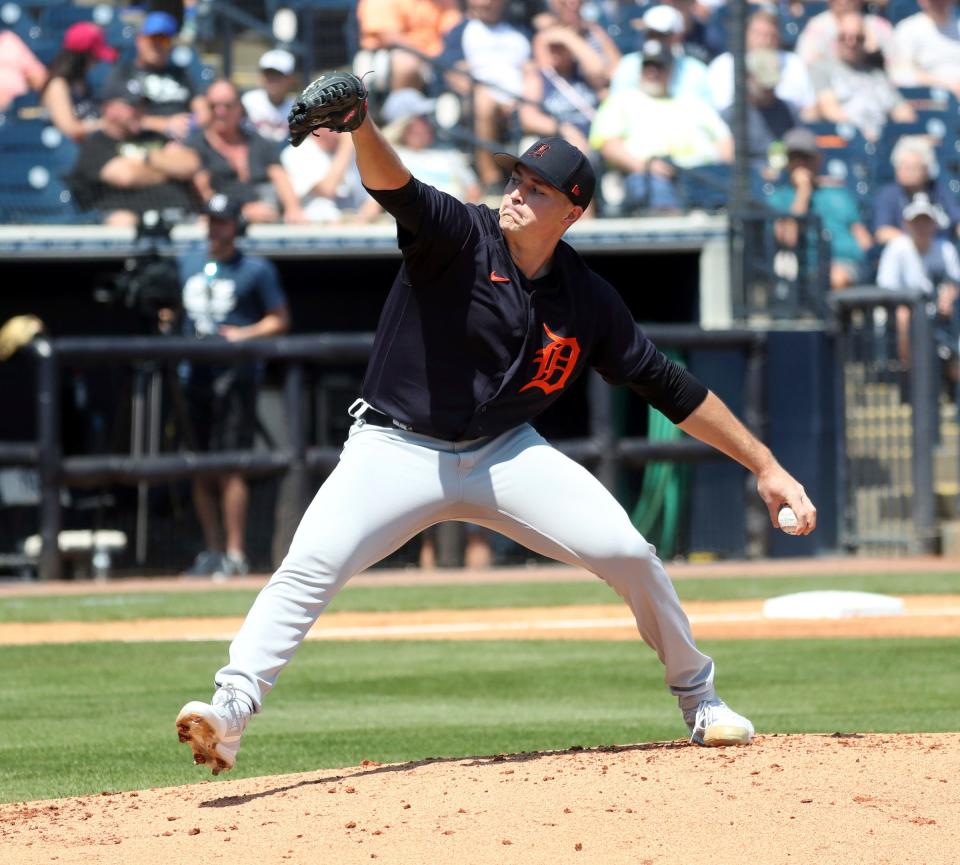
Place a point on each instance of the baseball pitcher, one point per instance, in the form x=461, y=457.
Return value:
x=490, y=319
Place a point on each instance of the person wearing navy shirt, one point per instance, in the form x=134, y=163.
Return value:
x=490, y=319
x=228, y=295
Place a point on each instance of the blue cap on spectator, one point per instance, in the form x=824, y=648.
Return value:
x=159, y=24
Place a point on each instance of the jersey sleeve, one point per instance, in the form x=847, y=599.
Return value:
x=625, y=355
x=432, y=227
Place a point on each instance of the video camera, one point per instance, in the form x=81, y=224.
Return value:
x=147, y=281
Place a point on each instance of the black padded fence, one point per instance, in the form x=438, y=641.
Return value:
x=297, y=458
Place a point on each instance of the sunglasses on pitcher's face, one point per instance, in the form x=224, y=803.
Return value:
x=160, y=40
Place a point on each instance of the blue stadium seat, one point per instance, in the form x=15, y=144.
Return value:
x=122, y=36
x=948, y=156
x=31, y=192
x=36, y=142
x=897, y=10
x=709, y=187
x=929, y=97
x=793, y=18
x=187, y=58
x=843, y=149
x=17, y=17
x=705, y=187
x=57, y=17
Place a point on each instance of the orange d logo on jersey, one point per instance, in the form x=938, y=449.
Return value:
x=555, y=362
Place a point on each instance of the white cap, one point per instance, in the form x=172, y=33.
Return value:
x=280, y=60
x=406, y=103
x=921, y=205
x=663, y=19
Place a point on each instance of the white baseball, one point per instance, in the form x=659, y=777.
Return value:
x=788, y=520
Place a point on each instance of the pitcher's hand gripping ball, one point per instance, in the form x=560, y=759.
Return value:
x=337, y=101
x=788, y=520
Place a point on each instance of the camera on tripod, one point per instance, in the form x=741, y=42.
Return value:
x=147, y=281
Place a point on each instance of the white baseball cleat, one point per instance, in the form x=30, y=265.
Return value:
x=714, y=723
x=214, y=729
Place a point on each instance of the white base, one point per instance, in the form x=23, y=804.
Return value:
x=831, y=605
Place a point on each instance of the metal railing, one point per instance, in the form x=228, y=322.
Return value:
x=890, y=416
x=601, y=449
x=779, y=283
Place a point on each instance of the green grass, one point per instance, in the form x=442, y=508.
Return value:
x=80, y=719
x=120, y=606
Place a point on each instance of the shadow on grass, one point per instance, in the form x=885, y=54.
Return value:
x=523, y=757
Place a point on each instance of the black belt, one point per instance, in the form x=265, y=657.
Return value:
x=371, y=415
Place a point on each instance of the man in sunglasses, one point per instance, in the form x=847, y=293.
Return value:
x=174, y=103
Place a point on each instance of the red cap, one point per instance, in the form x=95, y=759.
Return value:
x=87, y=38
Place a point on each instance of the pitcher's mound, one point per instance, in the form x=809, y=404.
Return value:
x=807, y=799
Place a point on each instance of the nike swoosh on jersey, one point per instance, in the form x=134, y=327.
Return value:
x=495, y=277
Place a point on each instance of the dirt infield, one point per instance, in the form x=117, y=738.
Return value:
x=831, y=800
x=924, y=615
x=864, y=800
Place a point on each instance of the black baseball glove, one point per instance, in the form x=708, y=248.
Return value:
x=337, y=101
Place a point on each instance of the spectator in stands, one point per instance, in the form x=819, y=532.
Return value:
x=918, y=260
x=326, y=181
x=595, y=53
x=648, y=134
x=123, y=169
x=494, y=54
x=238, y=162
x=268, y=105
x=818, y=39
x=688, y=76
x=67, y=95
x=795, y=87
x=417, y=24
x=558, y=99
x=233, y=296
x=769, y=118
x=174, y=104
x=927, y=47
x=405, y=114
x=20, y=70
x=915, y=173
x=851, y=89
x=835, y=207
x=693, y=38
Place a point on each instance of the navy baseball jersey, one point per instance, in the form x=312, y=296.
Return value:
x=468, y=346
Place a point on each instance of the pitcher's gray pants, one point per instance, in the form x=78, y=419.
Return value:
x=389, y=485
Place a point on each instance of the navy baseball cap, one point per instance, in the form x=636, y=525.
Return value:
x=221, y=206
x=128, y=91
x=558, y=162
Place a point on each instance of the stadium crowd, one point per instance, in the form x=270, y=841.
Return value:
x=852, y=111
